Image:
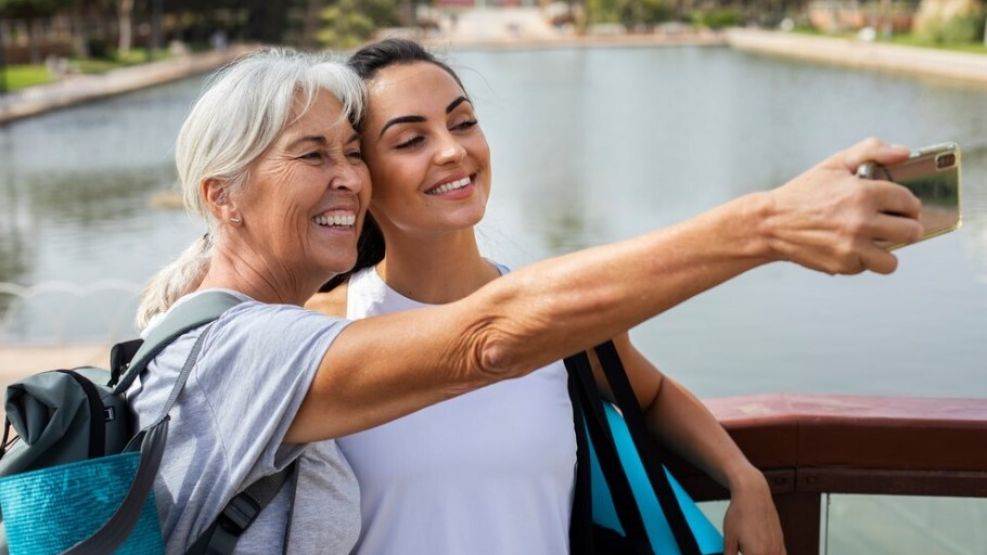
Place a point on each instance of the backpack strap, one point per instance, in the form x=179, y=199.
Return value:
x=221, y=537
x=111, y=535
x=187, y=316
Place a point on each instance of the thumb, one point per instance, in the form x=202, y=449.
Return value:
x=873, y=150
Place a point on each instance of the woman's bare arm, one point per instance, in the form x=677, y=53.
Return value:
x=384, y=367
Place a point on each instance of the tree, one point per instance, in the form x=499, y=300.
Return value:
x=125, y=9
x=348, y=23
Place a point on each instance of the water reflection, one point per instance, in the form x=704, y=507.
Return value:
x=974, y=206
x=615, y=142
x=589, y=146
x=74, y=186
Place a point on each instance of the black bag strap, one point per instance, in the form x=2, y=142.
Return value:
x=606, y=451
x=187, y=316
x=581, y=518
x=111, y=535
x=120, y=356
x=647, y=448
x=222, y=535
x=97, y=423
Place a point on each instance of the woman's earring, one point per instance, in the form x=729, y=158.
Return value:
x=235, y=220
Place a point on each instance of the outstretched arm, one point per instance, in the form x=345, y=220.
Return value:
x=381, y=368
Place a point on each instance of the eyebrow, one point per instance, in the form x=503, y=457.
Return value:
x=321, y=140
x=452, y=105
x=308, y=139
x=418, y=119
x=401, y=119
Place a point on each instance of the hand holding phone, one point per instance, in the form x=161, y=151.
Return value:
x=932, y=174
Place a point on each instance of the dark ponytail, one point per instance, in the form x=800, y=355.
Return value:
x=366, y=62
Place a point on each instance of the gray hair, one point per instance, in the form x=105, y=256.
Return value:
x=244, y=109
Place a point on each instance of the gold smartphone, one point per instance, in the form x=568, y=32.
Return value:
x=932, y=173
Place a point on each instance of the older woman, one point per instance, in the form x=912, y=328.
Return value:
x=270, y=159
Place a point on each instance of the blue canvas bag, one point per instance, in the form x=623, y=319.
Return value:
x=626, y=501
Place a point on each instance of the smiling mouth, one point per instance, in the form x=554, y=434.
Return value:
x=451, y=186
x=342, y=219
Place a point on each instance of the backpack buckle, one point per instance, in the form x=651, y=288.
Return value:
x=239, y=514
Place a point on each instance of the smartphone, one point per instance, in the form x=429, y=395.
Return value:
x=932, y=173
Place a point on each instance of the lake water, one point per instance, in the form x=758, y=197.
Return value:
x=589, y=146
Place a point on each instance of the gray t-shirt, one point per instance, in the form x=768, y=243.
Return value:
x=226, y=431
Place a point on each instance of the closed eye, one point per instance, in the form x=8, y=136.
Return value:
x=312, y=156
x=417, y=139
x=465, y=125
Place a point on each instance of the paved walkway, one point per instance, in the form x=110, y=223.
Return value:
x=847, y=52
x=17, y=361
x=83, y=88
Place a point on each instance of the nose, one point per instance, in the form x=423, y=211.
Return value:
x=450, y=150
x=352, y=177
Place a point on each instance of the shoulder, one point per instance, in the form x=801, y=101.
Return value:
x=332, y=303
x=265, y=330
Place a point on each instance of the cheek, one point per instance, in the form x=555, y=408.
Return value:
x=393, y=179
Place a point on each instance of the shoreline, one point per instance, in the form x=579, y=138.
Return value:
x=695, y=38
x=908, y=60
x=79, y=89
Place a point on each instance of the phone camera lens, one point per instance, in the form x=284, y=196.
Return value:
x=945, y=161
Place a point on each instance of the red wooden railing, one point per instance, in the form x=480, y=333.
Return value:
x=810, y=445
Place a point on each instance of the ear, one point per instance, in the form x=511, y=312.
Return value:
x=216, y=192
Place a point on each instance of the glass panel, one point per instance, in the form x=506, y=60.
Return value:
x=904, y=525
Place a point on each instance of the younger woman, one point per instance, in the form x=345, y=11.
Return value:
x=492, y=471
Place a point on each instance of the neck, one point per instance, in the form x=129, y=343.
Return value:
x=235, y=268
x=435, y=270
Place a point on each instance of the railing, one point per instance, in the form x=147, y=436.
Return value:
x=810, y=445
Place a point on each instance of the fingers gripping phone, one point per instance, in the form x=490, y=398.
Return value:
x=932, y=174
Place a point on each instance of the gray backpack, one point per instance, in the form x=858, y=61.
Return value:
x=64, y=416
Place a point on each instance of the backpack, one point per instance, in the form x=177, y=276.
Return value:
x=68, y=416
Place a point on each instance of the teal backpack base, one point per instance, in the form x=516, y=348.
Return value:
x=35, y=524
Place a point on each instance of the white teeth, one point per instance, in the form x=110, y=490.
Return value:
x=459, y=184
x=339, y=219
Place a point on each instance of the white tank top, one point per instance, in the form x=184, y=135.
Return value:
x=488, y=472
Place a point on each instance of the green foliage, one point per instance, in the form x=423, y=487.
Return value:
x=631, y=13
x=22, y=76
x=922, y=41
x=114, y=60
x=716, y=18
x=964, y=29
x=602, y=11
x=348, y=23
x=28, y=9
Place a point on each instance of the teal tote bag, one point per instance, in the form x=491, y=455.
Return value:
x=626, y=501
